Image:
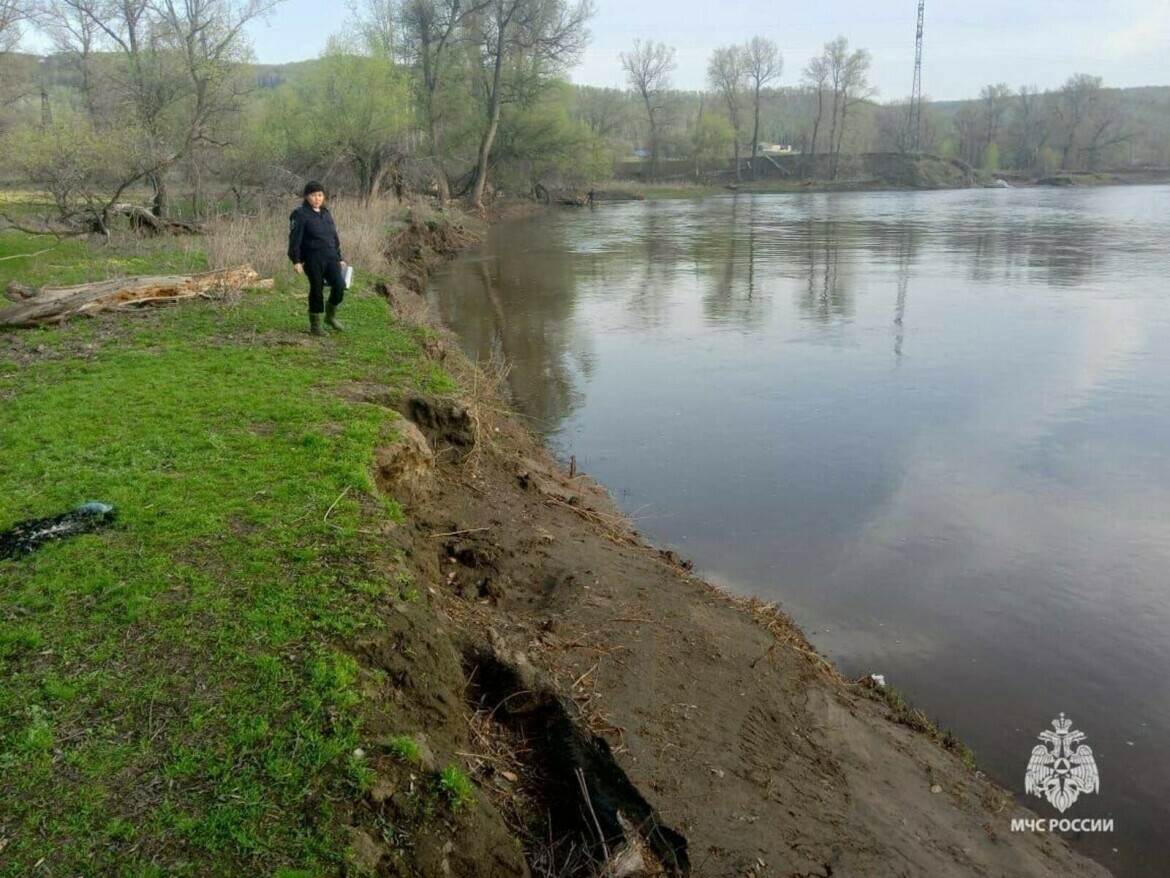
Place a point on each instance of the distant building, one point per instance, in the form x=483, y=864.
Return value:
x=643, y=153
x=776, y=149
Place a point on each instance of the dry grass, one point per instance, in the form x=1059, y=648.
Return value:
x=262, y=239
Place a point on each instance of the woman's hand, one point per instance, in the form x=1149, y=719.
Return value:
x=343, y=264
x=299, y=268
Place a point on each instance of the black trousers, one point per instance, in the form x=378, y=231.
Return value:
x=321, y=269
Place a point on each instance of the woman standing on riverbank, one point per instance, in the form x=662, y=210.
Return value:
x=315, y=250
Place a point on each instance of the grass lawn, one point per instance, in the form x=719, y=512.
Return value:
x=174, y=692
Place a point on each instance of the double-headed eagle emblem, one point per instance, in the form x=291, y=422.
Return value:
x=1059, y=771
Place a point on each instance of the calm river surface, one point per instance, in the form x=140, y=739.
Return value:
x=934, y=426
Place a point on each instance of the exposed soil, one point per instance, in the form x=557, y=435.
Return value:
x=611, y=706
x=421, y=243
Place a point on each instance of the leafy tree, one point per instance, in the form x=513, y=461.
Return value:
x=83, y=170
x=523, y=45
x=990, y=161
x=543, y=142
x=710, y=140
x=360, y=111
x=430, y=42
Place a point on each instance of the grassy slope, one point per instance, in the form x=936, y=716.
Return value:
x=170, y=688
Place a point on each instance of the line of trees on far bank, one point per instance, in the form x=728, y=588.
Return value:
x=462, y=98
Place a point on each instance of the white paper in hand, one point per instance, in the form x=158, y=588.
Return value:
x=347, y=275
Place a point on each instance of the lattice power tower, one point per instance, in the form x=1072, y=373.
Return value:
x=916, y=92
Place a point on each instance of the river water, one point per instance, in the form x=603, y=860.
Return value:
x=935, y=427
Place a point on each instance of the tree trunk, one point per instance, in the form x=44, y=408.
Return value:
x=162, y=200
x=441, y=180
x=756, y=132
x=489, y=136
x=443, y=184
x=53, y=304
x=840, y=138
x=816, y=128
x=833, y=134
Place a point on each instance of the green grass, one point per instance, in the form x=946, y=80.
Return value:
x=456, y=787
x=38, y=260
x=406, y=748
x=174, y=696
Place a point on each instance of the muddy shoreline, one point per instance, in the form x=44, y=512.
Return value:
x=614, y=708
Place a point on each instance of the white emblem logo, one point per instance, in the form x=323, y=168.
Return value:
x=1063, y=772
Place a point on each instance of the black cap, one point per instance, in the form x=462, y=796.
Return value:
x=311, y=187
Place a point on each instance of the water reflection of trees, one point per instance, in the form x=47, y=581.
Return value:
x=516, y=303
x=827, y=295
x=728, y=250
x=518, y=300
x=656, y=242
x=1065, y=253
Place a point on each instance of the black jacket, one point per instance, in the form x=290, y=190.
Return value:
x=312, y=233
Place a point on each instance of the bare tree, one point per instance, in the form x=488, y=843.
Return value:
x=648, y=67
x=175, y=72
x=530, y=40
x=848, y=73
x=967, y=133
x=726, y=76
x=75, y=37
x=207, y=36
x=816, y=77
x=1027, y=126
x=995, y=100
x=13, y=15
x=603, y=110
x=835, y=57
x=1106, y=127
x=762, y=65
x=378, y=26
x=1075, y=102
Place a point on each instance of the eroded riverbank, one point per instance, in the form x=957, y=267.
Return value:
x=752, y=754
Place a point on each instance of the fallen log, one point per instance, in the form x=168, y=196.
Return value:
x=52, y=304
x=142, y=221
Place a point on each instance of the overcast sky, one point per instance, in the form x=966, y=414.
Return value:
x=967, y=45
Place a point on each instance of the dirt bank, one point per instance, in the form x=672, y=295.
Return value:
x=612, y=706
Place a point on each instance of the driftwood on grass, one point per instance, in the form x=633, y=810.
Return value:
x=50, y=304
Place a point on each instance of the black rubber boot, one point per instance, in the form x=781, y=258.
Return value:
x=331, y=318
x=315, y=325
